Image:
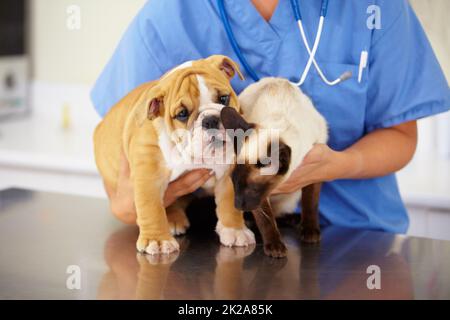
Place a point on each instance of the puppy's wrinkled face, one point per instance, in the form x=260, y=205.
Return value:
x=206, y=143
x=262, y=161
x=193, y=97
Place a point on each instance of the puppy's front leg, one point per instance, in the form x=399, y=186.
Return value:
x=150, y=181
x=231, y=227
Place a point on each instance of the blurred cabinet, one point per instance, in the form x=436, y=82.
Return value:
x=14, y=57
x=40, y=153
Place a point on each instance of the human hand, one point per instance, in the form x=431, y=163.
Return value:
x=320, y=164
x=185, y=184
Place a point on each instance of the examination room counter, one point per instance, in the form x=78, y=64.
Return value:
x=55, y=246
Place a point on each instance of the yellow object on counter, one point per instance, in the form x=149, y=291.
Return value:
x=66, y=118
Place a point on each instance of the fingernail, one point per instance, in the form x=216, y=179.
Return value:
x=212, y=173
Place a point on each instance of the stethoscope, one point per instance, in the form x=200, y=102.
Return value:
x=298, y=17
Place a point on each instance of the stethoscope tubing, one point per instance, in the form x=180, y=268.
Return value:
x=234, y=43
x=311, y=52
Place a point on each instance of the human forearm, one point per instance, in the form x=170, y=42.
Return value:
x=380, y=152
x=187, y=183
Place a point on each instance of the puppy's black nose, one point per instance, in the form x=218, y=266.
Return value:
x=210, y=122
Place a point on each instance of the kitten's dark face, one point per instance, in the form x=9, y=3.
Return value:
x=261, y=162
x=252, y=185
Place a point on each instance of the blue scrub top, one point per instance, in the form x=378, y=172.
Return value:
x=403, y=80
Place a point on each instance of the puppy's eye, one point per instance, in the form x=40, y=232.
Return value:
x=225, y=100
x=183, y=115
x=265, y=162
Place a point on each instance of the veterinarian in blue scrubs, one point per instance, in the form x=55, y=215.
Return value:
x=371, y=116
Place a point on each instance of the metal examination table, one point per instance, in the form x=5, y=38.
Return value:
x=44, y=236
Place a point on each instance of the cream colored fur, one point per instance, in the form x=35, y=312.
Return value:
x=275, y=103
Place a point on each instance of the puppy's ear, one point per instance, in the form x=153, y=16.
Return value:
x=231, y=119
x=226, y=65
x=284, y=155
x=149, y=109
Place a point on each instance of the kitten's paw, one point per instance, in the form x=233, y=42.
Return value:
x=275, y=249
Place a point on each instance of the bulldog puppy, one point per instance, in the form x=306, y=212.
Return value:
x=163, y=128
x=281, y=125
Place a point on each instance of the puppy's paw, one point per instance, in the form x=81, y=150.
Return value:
x=232, y=237
x=178, y=222
x=153, y=246
x=310, y=234
x=275, y=249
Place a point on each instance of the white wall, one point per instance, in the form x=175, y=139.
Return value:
x=433, y=14
x=62, y=55
x=77, y=56
x=434, y=133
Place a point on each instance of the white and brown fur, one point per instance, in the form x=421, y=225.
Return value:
x=275, y=103
x=137, y=131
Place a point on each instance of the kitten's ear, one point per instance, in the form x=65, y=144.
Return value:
x=227, y=65
x=149, y=107
x=232, y=119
